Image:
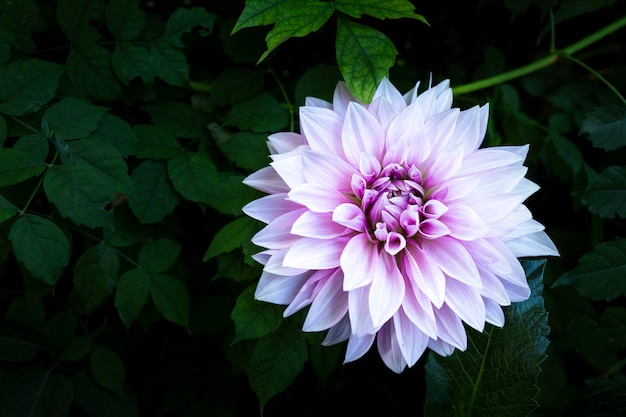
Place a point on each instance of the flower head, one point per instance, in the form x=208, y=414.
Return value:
x=392, y=225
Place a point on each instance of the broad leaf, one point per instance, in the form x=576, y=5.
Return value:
x=17, y=165
x=95, y=275
x=97, y=402
x=606, y=194
x=227, y=194
x=21, y=17
x=35, y=392
x=3, y=130
x=15, y=345
x=247, y=150
x=276, y=361
x=89, y=68
x=234, y=85
x=80, y=194
x=262, y=113
x=364, y=56
x=159, y=255
x=179, y=119
x=192, y=175
x=29, y=310
x=59, y=330
x=131, y=295
x=7, y=209
x=34, y=145
x=130, y=61
x=72, y=118
x=124, y=19
x=170, y=63
x=184, y=20
x=154, y=196
x=74, y=17
x=496, y=375
x=171, y=298
x=27, y=85
x=296, y=21
x=41, y=246
x=254, y=319
x=600, y=274
x=587, y=335
x=231, y=236
x=155, y=143
x=107, y=369
x=262, y=12
x=116, y=133
x=606, y=127
x=390, y=9
x=77, y=348
x=319, y=82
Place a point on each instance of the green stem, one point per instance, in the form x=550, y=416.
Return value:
x=97, y=239
x=541, y=63
x=26, y=125
x=286, y=97
x=36, y=190
x=470, y=406
x=598, y=76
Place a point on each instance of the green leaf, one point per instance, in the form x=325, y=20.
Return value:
x=77, y=348
x=74, y=16
x=130, y=61
x=254, y=319
x=600, y=274
x=72, y=118
x=319, y=82
x=35, y=392
x=364, y=56
x=247, y=150
x=496, y=375
x=234, y=85
x=95, y=275
x=80, y=194
x=155, y=143
x=171, y=298
x=107, y=369
x=89, y=69
x=59, y=330
x=159, y=255
x=41, y=246
x=276, y=361
x=131, y=295
x=17, y=166
x=606, y=127
x=231, y=265
x=390, y=9
x=124, y=19
x=102, y=160
x=97, y=402
x=297, y=21
x=602, y=396
x=606, y=194
x=116, y=133
x=567, y=151
x=191, y=174
x=154, y=196
x=231, y=236
x=184, y=20
x=262, y=113
x=29, y=310
x=170, y=63
x=179, y=119
x=21, y=17
x=227, y=193
x=7, y=209
x=262, y=12
x=586, y=335
x=27, y=85
x=34, y=145
x=3, y=130
x=16, y=345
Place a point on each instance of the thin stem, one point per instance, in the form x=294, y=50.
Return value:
x=480, y=375
x=99, y=240
x=26, y=125
x=541, y=63
x=36, y=190
x=552, y=33
x=598, y=76
x=286, y=97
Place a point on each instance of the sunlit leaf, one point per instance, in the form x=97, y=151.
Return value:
x=124, y=19
x=600, y=274
x=364, y=56
x=254, y=319
x=107, y=369
x=27, y=85
x=41, y=246
x=262, y=113
x=276, y=361
x=390, y=9
x=95, y=274
x=159, y=255
x=133, y=289
x=154, y=196
x=262, y=12
x=606, y=194
x=171, y=298
x=606, y=127
x=231, y=236
x=496, y=375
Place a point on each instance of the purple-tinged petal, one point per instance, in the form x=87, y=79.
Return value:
x=307, y=292
x=510, y=222
x=279, y=289
x=329, y=307
x=464, y=223
x=440, y=347
x=394, y=243
x=311, y=253
x=424, y=274
x=524, y=228
x=358, y=346
x=338, y=333
x=264, y=256
x=467, y=130
x=433, y=209
x=361, y=133
x=269, y=207
x=358, y=262
x=419, y=309
x=389, y=348
x=322, y=130
x=411, y=341
x=359, y=312
x=453, y=259
x=487, y=159
x=275, y=264
x=389, y=93
x=493, y=288
x=327, y=169
x=433, y=229
x=534, y=244
x=284, y=142
x=350, y=215
x=276, y=235
x=466, y=303
x=317, y=225
x=290, y=169
x=454, y=189
x=317, y=102
x=341, y=99
x=383, y=111
x=404, y=134
x=387, y=290
x=499, y=180
x=494, y=313
x=317, y=197
x=266, y=180
x=411, y=95
x=440, y=129
x=450, y=328
x=369, y=166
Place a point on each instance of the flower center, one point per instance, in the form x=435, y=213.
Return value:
x=395, y=205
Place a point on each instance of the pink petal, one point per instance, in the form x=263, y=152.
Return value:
x=317, y=197
x=341, y=99
x=322, y=130
x=276, y=235
x=266, y=180
x=424, y=275
x=350, y=215
x=440, y=128
x=499, y=180
x=327, y=169
x=387, y=290
x=361, y=133
x=269, y=207
x=467, y=130
x=318, y=225
x=534, y=244
x=395, y=242
x=389, y=348
x=411, y=341
x=284, y=142
x=440, y=347
x=466, y=303
x=279, y=289
x=454, y=189
x=453, y=259
x=487, y=159
x=359, y=311
x=329, y=307
x=317, y=102
x=464, y=223
x=275, y=264
x=450, y=328
x=307, y=292
x=338, y=333
x=384, y=111
x=389, y=93
x=403, y=133
x=433, y=229
x=289, y=167
x=311, y=253
x=358, y=346
x=419, y=309
x=358, y=262
x=494, y=313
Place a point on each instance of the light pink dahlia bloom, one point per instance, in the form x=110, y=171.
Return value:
x=391, y=224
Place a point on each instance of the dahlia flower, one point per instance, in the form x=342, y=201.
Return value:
x=392, y=225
